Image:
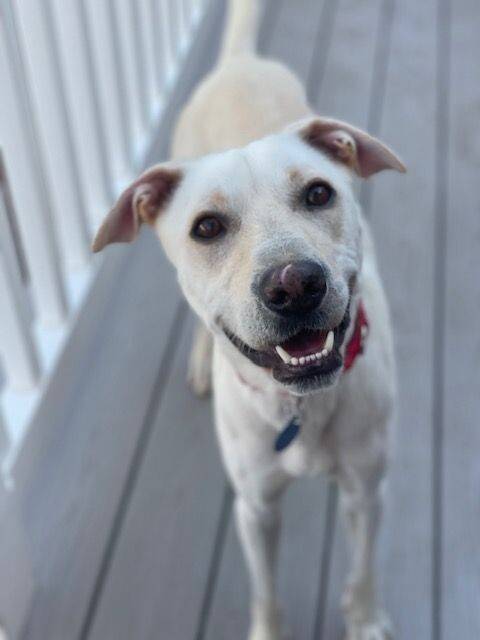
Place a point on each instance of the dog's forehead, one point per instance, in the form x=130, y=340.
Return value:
x=285, y=155
x=273, y=161
x=228, y=169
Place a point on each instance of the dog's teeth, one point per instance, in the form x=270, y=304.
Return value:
x=329, y=342
x=287, y=358
x=283, y=354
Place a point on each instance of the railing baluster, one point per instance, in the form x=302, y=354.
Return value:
x=82, y=99
x=122, y=24
x=175, y=28
x=17, y=348
x=140, y=58
x=55, y=137
x=182, y=20
x=147, y=31
x=4, y=442
x=23, y=162
x=98, y=24
x=157, y=36
x=168, y=49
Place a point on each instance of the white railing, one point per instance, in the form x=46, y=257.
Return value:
x=83, y=87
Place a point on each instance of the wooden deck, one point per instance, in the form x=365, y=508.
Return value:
x=130, y=514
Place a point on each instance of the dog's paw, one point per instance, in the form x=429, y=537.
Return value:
x=268, y=626
x=378, y=629
x=199, y=377
x=267, y=633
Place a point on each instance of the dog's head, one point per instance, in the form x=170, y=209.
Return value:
x=266, y=241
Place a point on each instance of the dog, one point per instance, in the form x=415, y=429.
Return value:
x=257, y=212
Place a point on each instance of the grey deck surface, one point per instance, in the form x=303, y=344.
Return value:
x=131, y=525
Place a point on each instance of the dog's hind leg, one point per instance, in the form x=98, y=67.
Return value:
x=200, y=364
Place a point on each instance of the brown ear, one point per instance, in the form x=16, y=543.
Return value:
x=355, y=148
x=141, y=202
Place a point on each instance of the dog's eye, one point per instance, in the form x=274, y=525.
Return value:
x=207, y=228
x=319, y=194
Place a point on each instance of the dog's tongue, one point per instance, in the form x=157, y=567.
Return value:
x=305, y=343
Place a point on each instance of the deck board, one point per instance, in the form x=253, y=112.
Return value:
x=168, y=534
x=403, y=220
x=346, y=94
x=460, y=579
x=84, y=483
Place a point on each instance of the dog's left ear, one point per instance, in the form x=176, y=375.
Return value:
x=353, y=147
x=141, y=202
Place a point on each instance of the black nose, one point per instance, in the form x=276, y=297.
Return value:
x=295, y=287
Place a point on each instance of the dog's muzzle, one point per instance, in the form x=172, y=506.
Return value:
x=309, y=358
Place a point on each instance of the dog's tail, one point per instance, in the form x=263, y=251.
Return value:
x=241, y=28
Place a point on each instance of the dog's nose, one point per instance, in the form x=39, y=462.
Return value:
x=296, y=287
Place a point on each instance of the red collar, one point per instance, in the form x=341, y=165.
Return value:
x=354, y=348
x=356, y=343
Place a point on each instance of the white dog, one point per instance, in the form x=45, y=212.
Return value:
x=259, y=217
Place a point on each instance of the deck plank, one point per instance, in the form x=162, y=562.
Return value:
x=403, y=221
x=295, y=29
x=346, y=88
x=460, y=587
x=168, y=534
x=345, y=94
x=82, y=478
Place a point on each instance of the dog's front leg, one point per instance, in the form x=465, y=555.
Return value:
x=259, y=528
x=362, y=508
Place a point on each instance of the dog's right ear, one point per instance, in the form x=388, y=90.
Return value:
x=141, y=202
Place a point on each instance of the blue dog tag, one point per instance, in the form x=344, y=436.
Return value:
x=287, y=435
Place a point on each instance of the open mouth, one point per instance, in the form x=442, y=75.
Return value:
x=309, y=358
x=307, y=347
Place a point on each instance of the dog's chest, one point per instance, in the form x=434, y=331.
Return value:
x=308, y=453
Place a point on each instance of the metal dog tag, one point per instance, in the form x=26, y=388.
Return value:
x=287, y=435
